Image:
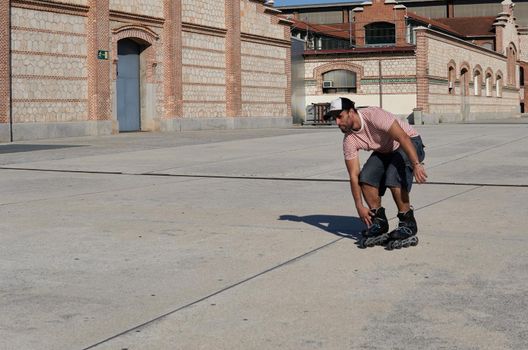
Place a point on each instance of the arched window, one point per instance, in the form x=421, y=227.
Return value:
x=489, y=82
x=340, y=80
x=464, y=81
x=477, y=82
x=451, y=76
x=498, y=85
x=512, y=65
x=380, y=33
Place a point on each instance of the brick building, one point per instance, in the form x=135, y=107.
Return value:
x=444, y=69
x=91, y=67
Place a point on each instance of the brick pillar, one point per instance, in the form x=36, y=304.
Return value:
x=98, y=38
x=233, y=59
x=400, y=25
x=359, y=29
x=5, y=61
x=422, y=82
x=288, y=69
x=172, y=59
x=524, y=83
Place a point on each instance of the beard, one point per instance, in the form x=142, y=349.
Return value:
x=345, y=129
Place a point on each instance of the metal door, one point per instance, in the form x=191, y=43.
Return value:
x=128, y=106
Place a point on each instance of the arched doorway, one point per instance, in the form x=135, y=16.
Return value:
x=128, y=89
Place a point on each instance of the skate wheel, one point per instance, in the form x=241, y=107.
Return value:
x=414, y=242
x=390, y=245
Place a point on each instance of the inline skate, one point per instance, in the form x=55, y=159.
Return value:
x=376, y=234
x=405, y=235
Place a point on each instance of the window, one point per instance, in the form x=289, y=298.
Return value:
x=521, y=75
x=451, y=80
x=464, y=81
x=477, y=83
x=380, y=33
x=489, y=83
x=337, y=81
x=498, y=85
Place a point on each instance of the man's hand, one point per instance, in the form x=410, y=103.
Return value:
x=365, y=214
x=419, y=173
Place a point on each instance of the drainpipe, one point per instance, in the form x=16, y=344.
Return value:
x=380, y=85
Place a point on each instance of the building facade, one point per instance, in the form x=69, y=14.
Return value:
x=436, y=69
x=92, y=67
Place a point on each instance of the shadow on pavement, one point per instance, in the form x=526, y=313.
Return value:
x=344, y=226
x=17, y=148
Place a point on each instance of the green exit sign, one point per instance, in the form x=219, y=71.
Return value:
x=103, y=54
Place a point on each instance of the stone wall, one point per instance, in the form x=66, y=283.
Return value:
x=198, y=68
x=210, y=13
x=523, y=47
x=254, y=21
x=142, y=7
x=264, y=80
x=444, y=106
x=49, y=66
x=204, y=78
x=398, y=83
x=72, y=2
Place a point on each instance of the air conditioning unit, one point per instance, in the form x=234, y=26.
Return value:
x=328, y=84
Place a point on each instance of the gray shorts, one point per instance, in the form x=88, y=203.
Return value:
x=394, y=169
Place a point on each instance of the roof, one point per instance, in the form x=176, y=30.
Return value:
x=462, y=27
x=364, y=50
x=339, y=30
x=471, y=26
x=311, y=6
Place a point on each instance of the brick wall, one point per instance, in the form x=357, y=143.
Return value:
x=233, y=59
x=98, y=38
x=171, y=59
x=378, y=11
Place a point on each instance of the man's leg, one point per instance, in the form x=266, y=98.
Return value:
x=401, y=198
x=371, y=195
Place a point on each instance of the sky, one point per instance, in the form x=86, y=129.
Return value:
x=307, y=2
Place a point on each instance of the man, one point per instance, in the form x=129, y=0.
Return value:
x=397, y=156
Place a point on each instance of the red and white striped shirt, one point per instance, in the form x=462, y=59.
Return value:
x=373, y=134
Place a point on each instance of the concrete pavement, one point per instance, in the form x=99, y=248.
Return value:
x=247, y=240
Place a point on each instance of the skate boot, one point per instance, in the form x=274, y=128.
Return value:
x=405, y=235
x=376, y=234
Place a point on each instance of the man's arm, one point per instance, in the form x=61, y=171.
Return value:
x=405, y=141
x=353, y=173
